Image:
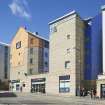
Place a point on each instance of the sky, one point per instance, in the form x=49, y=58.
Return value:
x=36, y=14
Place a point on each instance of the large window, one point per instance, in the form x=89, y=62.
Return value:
x=18, y=45
x=64, y=84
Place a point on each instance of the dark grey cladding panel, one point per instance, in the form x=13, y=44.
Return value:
x=40, y=60
x=46, y=44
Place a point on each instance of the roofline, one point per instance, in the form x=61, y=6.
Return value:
x=38, y=36
x=88, y=18
x=64, y=16
x=5, y=44
x=103, y=7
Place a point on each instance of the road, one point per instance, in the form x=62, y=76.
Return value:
x=38, y=99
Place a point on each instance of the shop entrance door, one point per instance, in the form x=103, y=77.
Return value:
x=102, y=90
x=38, y=88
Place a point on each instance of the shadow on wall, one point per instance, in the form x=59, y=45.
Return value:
x=4, y=85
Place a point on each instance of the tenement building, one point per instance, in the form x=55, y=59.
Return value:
x=4, y=65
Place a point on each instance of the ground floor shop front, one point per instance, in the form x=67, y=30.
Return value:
x=101, y=86
x=63, y=84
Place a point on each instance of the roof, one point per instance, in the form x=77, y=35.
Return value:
x=33, y=34
x=88, y=18
x=103, y=7
x=60, y=18
x=5, y=44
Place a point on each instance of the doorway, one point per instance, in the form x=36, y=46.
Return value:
x=38, y=88
x=102, y=90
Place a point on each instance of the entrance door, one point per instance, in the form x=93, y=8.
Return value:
x=38, y=88
x=102, y=90
x=17, y=87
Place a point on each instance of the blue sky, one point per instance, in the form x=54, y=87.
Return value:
x=36, y=14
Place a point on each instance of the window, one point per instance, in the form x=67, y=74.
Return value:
x=68, y=50
x=64, y=84
x=53, y=29
x=46, y=54
x=32, y=41
x=46, y=44
x=31, y=71
x=19, y=54
x=31, y=61
x=67, y=64
x=18, y=45
x=46, y=64
x=31, y=50
x=68, y=36
x=5, y=75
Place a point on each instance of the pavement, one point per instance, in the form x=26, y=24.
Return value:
x=45, y=99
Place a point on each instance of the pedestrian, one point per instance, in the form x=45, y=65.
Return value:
x=91, y=93
x=94, y=93
x=21, y=88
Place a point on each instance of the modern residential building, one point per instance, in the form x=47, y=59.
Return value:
x=101, y=77
x=93, y=50
x=72, y=63
x=4, y=64
x=66, y=54
x=29, y=56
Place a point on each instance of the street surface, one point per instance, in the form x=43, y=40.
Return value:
x=38, y=99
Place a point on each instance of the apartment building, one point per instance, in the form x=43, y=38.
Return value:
x=66, y=54
x=72, y=63
x=101, y=77
x=4, y=64
x=29, y=56
x=93, y=50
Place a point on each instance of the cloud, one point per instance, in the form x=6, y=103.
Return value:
x=20, y=8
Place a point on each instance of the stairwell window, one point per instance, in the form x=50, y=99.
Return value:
x=68, y=36
x=31, y=50
x=31, y=71
x=68, y=50
x=31, y=61
x=67, y=64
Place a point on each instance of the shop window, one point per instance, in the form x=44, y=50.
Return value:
x=64, y=84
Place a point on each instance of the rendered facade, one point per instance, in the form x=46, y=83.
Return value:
x=29, y=56
x=67, y=54
x=4, y=64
